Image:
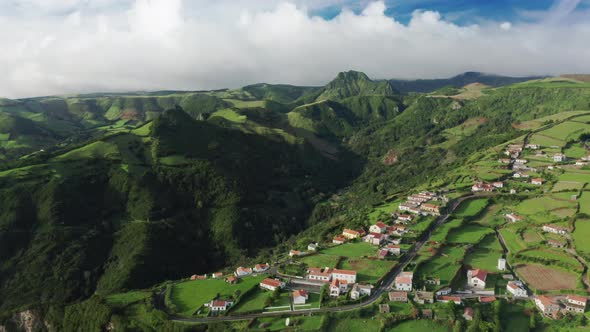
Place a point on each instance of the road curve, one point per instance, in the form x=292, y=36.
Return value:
x=385, y=285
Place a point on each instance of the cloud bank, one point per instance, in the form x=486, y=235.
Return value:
x=77, y=46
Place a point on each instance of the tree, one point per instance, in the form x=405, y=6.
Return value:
x=533, y=321
x=451, y=309
x=458, y=327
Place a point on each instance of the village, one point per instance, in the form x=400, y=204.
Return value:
x=432, y=248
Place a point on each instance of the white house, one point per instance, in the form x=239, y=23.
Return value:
x=359, y=290
x=575, y=303
x=394, y=249
x=554, y=229
x=516, y=288
x=444, y=291
x=477, y=278
x=513, y=217
x=338, y=287
x=537, y=181
x=300, y=296
x=338, y=239
x=350, y=234
x=501, y=264
x=498, y=184
x=219, y=305
x=271, y=284
x=294, y=253
x=559, y=157
x=403, y=281
x=243, y=271
x=379, y=227
x=312, y=247
x=447, y=299
x=348, y=275
x=261, y=267
x=319, y=274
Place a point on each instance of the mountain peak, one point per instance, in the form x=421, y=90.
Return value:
x=354, y=83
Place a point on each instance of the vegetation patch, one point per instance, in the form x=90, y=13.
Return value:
x=320, y=260
x=354, y=249
x=470, y=233
x=368, y=270
x=420, y=325
x=471, y=208
x=580, y=235
x=567, y=186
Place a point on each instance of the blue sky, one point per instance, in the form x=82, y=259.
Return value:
x=77, y=46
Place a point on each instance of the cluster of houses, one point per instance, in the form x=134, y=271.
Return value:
x=553, y=306
x=551, y=228
x=420, y=204
x=486, y=187
x=341, y=281
x=299, y=296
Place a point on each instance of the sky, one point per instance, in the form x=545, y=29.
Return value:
x=54, y=47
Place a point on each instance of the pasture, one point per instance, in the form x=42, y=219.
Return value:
x=575, y=175
x=368, y=270
x=188, y=296
x=545, y=278
x=419, y=325
x=308, y=323
x=513, y=240
x=543, y=140
x=552, y=255
x=320, y=260
x=568, y=130
x=354, y=249
x=542, y=205
x=444, y=266
x=123, y=299
x=354, y=324
x=584, y=201
x=468, y=234
x=230, y=115
x=253, y=302
x=567, y=186
x=483, y=259
x=440, y=234
x=471, y=208
x=580, y=235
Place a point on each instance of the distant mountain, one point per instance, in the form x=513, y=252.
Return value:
x=355, y=84
x=429, y=85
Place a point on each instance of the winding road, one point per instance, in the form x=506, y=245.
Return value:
x=383, y=287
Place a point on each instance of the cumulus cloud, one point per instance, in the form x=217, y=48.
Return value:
x=176, y=44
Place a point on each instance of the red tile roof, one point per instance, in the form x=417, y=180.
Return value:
x=271, y=282
x=349, y=272
x=577, y=298
x=480, y=274
x=487, y=299
x=219, y=303
x=380, y=224
x=300, y=292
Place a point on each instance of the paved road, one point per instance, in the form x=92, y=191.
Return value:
x=383, y=287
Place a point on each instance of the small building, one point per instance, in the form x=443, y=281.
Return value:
x=394, y=249
x=351, y=234
x=405, y=217
x=338, y=239
x=551, y=228
x=338, y=287
x=348, y=275
x=547, y=305
x=504, y=160
x=217, y=275
x=382, y=253
x=537, y=181
x=559, y=157
x=219, y=305
x=359, y=290
x=271, y=284
x=294, y=253
x=501, y=264
x=243, y=271
x=512, y=191
x=513, y=217
x=498, y=184
x=384, y=308
x=532, y=146
x=300, y=296
x=520, y=161
x=319, y=274
x=576, y=304
x=398, y=297
x=432, y=281
x=555, y=243
x=444, y=291
x=448, y=298
x=480, y=186
x=518, y=175
x=313, y=247
x=468, y=313
x=424, y=297
x=261, y=267
x=379, y=227
x=477, y=278
x=231, y=280
x=403, y=281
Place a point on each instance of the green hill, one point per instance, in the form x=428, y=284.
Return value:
x=353, y=83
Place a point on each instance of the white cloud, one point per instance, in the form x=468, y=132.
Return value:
x=175, y=44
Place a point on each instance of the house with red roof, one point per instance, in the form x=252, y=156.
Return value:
x=403, y=282
x=243, y=271
x=217, y=275
x=338, y=239
x=351, y=234
x=516, y=288
x=271, y=284
x=548, y=306
x=487, y=299
x=261, y=267
x=219, y=305
x=300, y=296
x=575, y=304
x=319, y=274
x=477, y=278
x=379, y=227
x=394, y=249
x=537, y=181
x=338, y=287
x=348, y=275
x=448, y=298
x=382, y=253
x=430, y=208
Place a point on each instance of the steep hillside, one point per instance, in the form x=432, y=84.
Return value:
x=174, y=197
